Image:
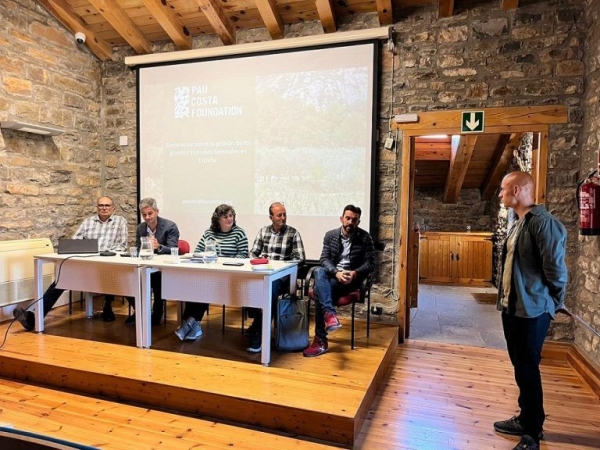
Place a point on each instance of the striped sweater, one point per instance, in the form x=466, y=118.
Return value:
x=233, y=244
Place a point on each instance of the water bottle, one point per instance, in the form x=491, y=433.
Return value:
x=146, y=249
x=210, y=252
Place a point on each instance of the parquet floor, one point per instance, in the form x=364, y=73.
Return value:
x=435, y=396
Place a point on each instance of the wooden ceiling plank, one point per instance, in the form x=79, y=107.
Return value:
x=446, y=8
x=213, y=11
x=271, y=17
x=170, y=22
x=509, y=4
x=435, y=154
x=385, y=12
x=326, y=15
x=65, y=15
x=503, y=156
x=120, y=21
x=459, y=164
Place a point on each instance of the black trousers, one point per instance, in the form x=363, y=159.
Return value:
x=53, y=293
x=195, y=310
x=525, y=339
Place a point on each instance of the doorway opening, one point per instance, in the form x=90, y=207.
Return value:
x=456, y=305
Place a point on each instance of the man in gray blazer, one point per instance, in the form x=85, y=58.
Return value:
x=163, y=235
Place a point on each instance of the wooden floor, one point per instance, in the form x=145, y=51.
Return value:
x=434, y=396
x=324, y=398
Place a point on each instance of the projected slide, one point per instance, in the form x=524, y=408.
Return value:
x=295, y=127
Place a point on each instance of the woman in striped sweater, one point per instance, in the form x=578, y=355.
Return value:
x=232, y=242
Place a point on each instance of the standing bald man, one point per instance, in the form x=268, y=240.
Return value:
x=532, y=288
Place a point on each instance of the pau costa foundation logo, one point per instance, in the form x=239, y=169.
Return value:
x=198, y=101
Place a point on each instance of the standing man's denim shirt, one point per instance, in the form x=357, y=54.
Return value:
x=539, y=272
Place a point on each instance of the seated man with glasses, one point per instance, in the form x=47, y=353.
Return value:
x=111, y=232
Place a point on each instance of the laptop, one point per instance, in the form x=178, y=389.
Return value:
x=75, y=246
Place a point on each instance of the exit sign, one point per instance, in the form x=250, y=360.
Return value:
x=472, y=122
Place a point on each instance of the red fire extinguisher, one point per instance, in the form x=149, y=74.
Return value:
x=588, y=202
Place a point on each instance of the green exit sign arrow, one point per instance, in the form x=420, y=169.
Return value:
x=472, y=122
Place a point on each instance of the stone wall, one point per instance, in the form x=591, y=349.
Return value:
x=48, y=184
x=431, y=214
x=585, y=272
x=485, y=57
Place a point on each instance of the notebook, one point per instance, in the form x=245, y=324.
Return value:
x=74, y=246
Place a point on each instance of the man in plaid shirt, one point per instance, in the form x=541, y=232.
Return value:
x=111, y=232
x=279, y=242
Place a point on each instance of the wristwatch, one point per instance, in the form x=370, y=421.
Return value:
x=159, y=248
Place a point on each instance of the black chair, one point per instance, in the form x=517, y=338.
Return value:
x=361, y=295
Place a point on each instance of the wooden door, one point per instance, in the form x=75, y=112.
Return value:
x=413, y=269
x=473, y=259
x=435, y=252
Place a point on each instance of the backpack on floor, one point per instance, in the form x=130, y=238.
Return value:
x=291, y=325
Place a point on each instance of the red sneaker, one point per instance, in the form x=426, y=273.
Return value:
x=331, y=322
x=318, y=347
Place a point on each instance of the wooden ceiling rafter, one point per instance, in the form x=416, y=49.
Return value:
x=326, y=15
x=385, y=12
x=213, y=11
x=505, y=149
x=69, y=18
x=120, y=21
x=170, y=22
x=509, y=4
x=270, y=15
x=445, y=8
x=459, y=164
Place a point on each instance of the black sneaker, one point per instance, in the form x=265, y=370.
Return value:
x=527, y=443
x=255, y=344
x=25, y=318
x=513, y=427
x=130, y=320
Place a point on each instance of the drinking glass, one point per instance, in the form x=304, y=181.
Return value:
x=175, y=255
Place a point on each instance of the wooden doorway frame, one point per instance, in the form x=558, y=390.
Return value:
x=536, y=119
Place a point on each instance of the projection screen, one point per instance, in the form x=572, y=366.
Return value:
x=293, y=126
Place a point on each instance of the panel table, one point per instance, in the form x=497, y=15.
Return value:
x=216, y=283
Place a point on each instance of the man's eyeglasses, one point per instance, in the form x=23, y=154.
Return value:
x=104, y=205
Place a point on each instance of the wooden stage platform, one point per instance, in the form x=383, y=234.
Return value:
x=324, y=399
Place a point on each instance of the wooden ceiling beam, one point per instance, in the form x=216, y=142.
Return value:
x=445, y=8
x=271, y=17
x=509, y=4
x=327, y=15
x=122, y=23
x=67, y=16
x=170, y=22
x=449, y=122
x=385, y=12
x=503, y=155
x=213, y=11
x=460, y=159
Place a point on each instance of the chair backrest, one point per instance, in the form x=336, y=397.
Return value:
x=184, y=247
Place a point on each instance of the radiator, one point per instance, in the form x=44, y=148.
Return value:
x=17, y=282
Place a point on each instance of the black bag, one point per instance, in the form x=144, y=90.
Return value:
x=291, y=326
